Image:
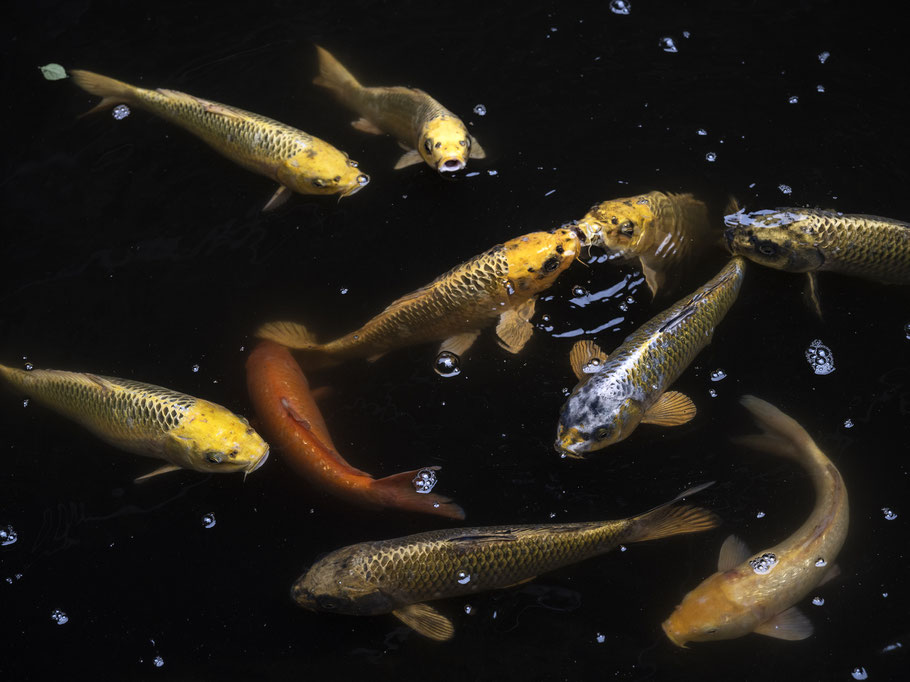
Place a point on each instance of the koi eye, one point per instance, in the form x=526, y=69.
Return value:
x=712, y=631
x=462, y=143
x=214, y=457
x=614, y=220
x=233, y=453
x=602, y=433
x=327, y=603
x=767, y=249
x=428, y=145
x=438, y=145
x=318, y=182
x=337, y=178
x=550, y=264
x=627, y=228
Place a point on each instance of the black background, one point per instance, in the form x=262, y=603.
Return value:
x=131, y=249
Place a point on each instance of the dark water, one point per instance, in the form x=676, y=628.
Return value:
x=131, y=249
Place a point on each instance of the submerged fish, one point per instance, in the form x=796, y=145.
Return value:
x=501, y=283
x=756, y=592
x=666, y=232
x=296, y=160
x=187, y=432
x=398, y=576
x=424, y=127
x=811, y=241
x=291, y=419
x=629, y=387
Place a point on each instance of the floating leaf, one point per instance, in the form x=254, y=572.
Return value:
x=53, y=72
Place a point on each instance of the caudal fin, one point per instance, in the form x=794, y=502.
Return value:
x=332, y=74
x=399, y=492
x=110, y=90
x=288, y=334
x=671, y=519
x=781, y=435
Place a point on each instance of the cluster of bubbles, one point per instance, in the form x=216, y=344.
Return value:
x=59, y=617
x=889, y=515
x=820, y=357
x=764, y=563
x=120, y=112
x=8, y=536
x=480, y=110
x=718, y=375
x=425, y=480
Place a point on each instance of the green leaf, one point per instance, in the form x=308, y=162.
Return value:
x=53, y=72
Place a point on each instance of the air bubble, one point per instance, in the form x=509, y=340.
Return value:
x=712, y=392
x=793, y=99
x=29, y=367
x=623, y=548
x=711, y=157
x=764, y=563
x=510, y=288
x=821, y=562
x=820, y=357
x=195, y=368
x=59, y=617
x=820, y=88
x=25, y=403
x=120, y=112
x=463, y=577
x=578, y=291
x=718, y=375
x=702, y=132
x=447, y=364
x=785, y=189
x=344, y=290
x=859, y=674
x=620, y=7
x=8, y=536
x=818, y=601
x=823, y=57
x=667, y=44
x=425, y=480
x=158, y=661
x=208, y=520
x=889, y=515
x=480, y=110
x=848, y=423
x=760, y=515
x=907, y=330
x=601, y=638
x=468, y=609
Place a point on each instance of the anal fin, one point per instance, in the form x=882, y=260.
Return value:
x=426, y=621
x=460, y=343
x=366, y=126
x=514, y=328
x=586, y=358
x=790, y=625
x=671, y=409
x=166, y=469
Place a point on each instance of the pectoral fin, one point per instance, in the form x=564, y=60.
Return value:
x=832, y=573
x=514, y=328
x=166, y=469
x=426, y=620
x=732, y=553
x=671, y=409
x=281, y=195
x=477, y=151
x=586, y=358
x=366, y=126
x=520, y=582
x=654, y=278
x=811, y=294
x=459, y=343
x=409, y=159
x=790, y=624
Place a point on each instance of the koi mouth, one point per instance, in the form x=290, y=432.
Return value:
x=255, y=465
x=450, y=165
x=362, y=181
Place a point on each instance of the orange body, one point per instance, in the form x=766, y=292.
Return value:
x=288, y=413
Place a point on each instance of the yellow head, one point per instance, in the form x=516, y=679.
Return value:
x=213, y=439
x=319, y=168
x=536, y=259
x=620, y=225
x=445, y=144
x=338, y=583
x=707, y=613
x=594, y=417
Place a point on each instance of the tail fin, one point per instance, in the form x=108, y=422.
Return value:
x=732, y=206
x=398, y=491
x=288, y=334
x=111, y=91
x=667, y=520
x=332, y=74
x=781, y=435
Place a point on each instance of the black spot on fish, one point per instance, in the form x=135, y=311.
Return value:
x=559, y=249
x=530, y=269
x=310, y=153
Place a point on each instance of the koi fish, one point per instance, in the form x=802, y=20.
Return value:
x=618, y=392
x=665, y=232
x=756, y=592
x=289, y=416
x=426, y=129
x=187, y=432
x=501, y=283
x=297, y=161
x=399, y=576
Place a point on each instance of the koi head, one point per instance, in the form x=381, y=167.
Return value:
x=620, y=225
x=776, y=239
x=445, y=144
x=338, y=583
x=212, y=439
x=707, y=613
x=588, y=422
x=316, y=170
x=536, y=259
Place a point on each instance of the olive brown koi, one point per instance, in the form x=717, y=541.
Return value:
x=297, y=161
x=756, y=591
x=501, y=283
x=289, y=415
x=426, y=129
x=665, y=232
x=617, y=392
x=399, y=576
x=187, y=432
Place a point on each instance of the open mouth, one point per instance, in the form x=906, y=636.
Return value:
x=255, y=465
x=450, y=165
x=362, y=181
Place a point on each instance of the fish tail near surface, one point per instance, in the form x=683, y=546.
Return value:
x=110, y=90
x=288, y=334
x=332, y=74
x=782, y=435
x=672, y=519
x=398, y=491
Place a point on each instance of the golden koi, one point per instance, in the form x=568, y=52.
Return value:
x=756, y=592
x=297, y=161
x=424, y=127
x=501, y=283
x=617, y=393
x=398, y=576
x=148, y=420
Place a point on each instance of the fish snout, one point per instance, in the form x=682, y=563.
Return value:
x=674, y=636
x=449, y=164
x=569, y=443
x=359, y=183
x=302, y=596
